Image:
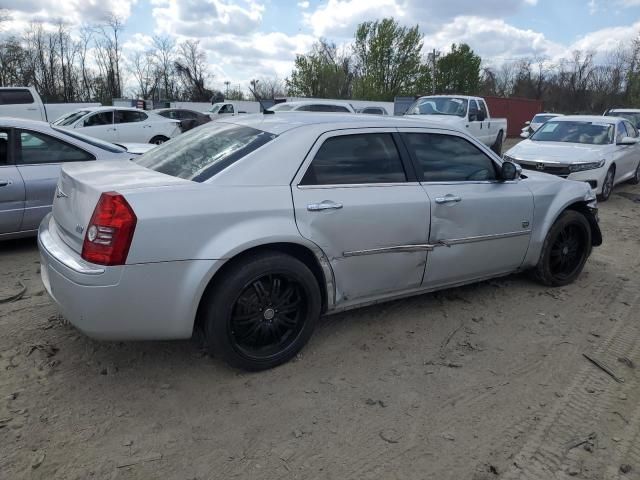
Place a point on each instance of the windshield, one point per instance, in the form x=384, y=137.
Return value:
x=633, y=117
x=542, y=118
x=215, y=108
x=590, y=133
x=70, y=118
x=281, y=107
x=439, y=106
x=201, y=153
x=109, y=147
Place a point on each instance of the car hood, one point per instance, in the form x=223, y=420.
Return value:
x=560, y=152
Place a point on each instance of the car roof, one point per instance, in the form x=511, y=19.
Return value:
x=625, y=110
x=587, y=118
x=280, y=122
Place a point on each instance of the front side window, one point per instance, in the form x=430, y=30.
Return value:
x=200, y=154
x=130, y=116
x=356, y=159
x=4, y=147
x=631, y=130
x=99, y=119
x=448, y=158
x=70, y=118
x=226, y=109
x=36, y=147
x=483, y=108
x=18, y=96
x=590, y=133
x=622, y=132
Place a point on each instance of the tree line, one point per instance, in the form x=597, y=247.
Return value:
x=384, y=60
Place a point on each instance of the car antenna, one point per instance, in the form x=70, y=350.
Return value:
x=265, y=110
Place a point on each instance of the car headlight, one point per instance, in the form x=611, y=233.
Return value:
x=581, y=167
x=508, y=158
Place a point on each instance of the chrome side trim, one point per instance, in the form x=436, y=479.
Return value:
x=482, y=238
x=396, y=249
x=62, y=253
x=357, y=185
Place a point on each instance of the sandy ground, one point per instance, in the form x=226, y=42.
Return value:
x=481, y=382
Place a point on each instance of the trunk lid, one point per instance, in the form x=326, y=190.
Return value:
x=81, y=184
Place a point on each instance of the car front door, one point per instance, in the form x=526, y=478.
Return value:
x=357, y=198
x=39, y=158
x=11, y=188
x=629, y=155
x=475, y=124
x=480, y=226
x=99, y=125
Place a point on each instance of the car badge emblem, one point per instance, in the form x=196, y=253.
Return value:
x=539, y=166
x=60, y=193
x=79, y=229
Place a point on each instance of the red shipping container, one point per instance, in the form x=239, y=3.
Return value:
x=517, y=111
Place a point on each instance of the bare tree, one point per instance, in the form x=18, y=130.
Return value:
x=164, y=57
x=191, y=66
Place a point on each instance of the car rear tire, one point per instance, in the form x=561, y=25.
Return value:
x=565, y=250
x=497, y=146
x=607, y=184
x=262, y=311
x=635, y=180
x=158, y=140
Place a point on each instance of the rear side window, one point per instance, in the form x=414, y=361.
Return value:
x=36, y=147
x=631, y=130
x=200, y=154
x=4, y=147
x=447, y=158
x=130, y=116
x=356, y=159
x=15, y=96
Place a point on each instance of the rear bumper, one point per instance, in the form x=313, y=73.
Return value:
x=151, y=301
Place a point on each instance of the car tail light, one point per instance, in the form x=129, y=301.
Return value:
x=110, y=231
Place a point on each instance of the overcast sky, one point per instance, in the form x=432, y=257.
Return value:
x=247, y=39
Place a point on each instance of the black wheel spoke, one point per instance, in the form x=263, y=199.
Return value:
x=261, y=292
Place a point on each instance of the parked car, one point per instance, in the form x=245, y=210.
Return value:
x=229, y=109
x=121, y=124
x=373, y=111
x=248, y=230
x=188, y=118
x=31, y=154
x=631, y=114
x=24, y=102
x=601, y=151
x=470, y=114
x=536, y=122
x=325, y=106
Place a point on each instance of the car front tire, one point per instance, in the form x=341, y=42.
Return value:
x=261, y=311
x=607, y=184
x=565, y=250
x=158, y=140
x=635, y=180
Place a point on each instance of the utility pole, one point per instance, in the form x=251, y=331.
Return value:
x=433, y=59
x=227, y=83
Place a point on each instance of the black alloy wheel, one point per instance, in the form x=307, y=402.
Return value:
x=607, y=185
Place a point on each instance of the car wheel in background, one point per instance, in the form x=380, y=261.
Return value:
x=565, y=250
x=635, y=180
x=261, y=311
x=158, y=140
x=607, y=184
x=497, y=146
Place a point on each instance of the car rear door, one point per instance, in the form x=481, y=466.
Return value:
x=480, y=226
x=11, y=187
x=132, y=126
x=38, y=158
x=357, y=198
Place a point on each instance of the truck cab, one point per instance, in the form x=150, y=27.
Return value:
x=21, y=102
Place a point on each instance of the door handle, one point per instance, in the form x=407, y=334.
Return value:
x=4, y=183
x=448, y=199
x=324, y=205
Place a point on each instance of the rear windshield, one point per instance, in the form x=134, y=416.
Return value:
x=200, y=154
x=542, y=118
x=96, y=142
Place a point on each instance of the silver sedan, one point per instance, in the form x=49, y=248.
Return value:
x=31, y=154
x=248, y=229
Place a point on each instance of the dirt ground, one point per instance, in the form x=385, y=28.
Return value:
x=481, y=382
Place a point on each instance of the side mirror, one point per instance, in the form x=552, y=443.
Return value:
x=510, y=171
x=525, y=134
x=627, y=141
x=527, y=123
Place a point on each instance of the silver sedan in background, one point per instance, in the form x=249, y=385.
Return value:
x=248, y=229
x=31, y=154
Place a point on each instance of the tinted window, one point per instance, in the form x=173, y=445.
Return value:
x=339, y=108
x=187, y=115
x=168, y=114
x=483, y=108
x=97, y=119
x=373, y=111
x=37, y=147
x=354, y=159
x=200, y=154
x=17, y=96
x=447, y=158
x=631, y=130
x=130, y=116
x=226, y=109
x=4, y=147
x=622, y=132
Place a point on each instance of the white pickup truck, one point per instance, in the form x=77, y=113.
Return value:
x=24, y=102
x=467, y=113
x=222, y=109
